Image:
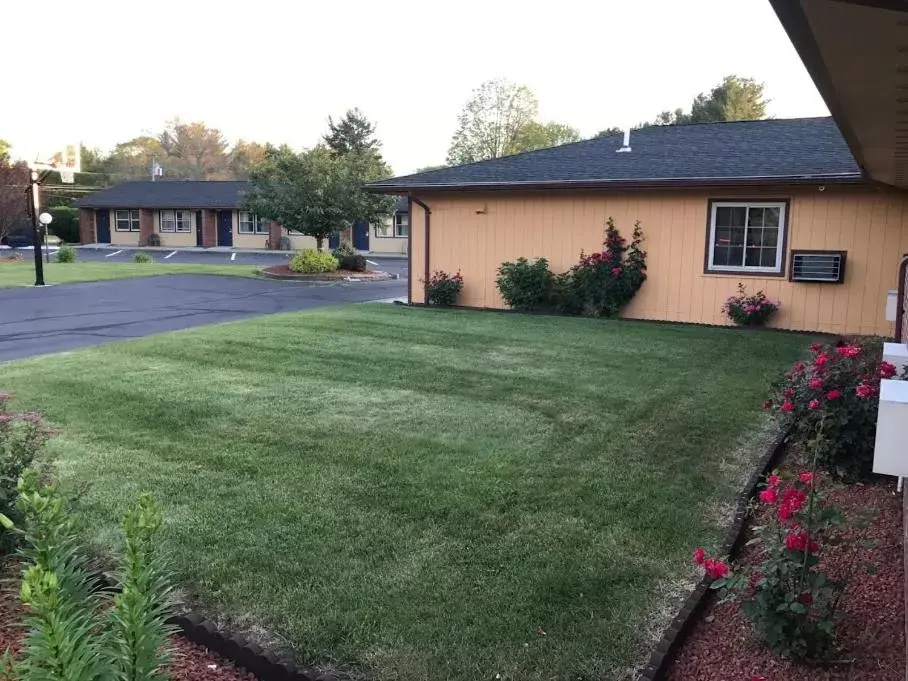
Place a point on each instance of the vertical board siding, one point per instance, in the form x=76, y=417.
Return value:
x=475, y=233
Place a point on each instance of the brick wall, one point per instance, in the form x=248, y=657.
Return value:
x=146, y=225
x=87, y=226
x=209, y=229
x=274, y=235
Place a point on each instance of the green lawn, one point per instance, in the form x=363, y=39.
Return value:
x=409, y=493
x=23, y=273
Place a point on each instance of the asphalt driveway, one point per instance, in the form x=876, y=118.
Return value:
x=36, y=321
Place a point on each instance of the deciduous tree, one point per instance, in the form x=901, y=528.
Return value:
x=197, y=151
x=13, y=196
x=535, y=135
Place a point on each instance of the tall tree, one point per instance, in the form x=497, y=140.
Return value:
x=13, y=195
x=354, y=133
x=316, y=192
x=535, y=135
x=4, y=150
x=490, y=124
x=734, y=99
x=243, y=157
x=197, y=151
x=132, y=160
x=612, y=130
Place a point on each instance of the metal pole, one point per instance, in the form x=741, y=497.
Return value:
x=34, y=206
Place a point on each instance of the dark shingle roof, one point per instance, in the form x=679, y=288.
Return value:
x=797, y=149
x=168, y=194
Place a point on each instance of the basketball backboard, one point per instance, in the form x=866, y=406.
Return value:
x=66, y=160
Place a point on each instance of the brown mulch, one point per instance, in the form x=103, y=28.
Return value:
x=285, y=271
x=722, y=645
x=189, y=662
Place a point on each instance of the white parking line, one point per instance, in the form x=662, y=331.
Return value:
x=372, y=262
x=109, y=255
x=170, y=255
x=232, y=257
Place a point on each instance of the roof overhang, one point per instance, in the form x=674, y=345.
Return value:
x=856, y=51
x=618, y=185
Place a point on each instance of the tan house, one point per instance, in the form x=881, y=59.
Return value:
x=780, y=205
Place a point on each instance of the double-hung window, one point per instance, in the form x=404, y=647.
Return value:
x=250, y=223
x=176, y=221
x=126, y=221
x=401, y=225
x=746, y=236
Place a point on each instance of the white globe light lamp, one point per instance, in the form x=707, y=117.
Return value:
x=45, y=219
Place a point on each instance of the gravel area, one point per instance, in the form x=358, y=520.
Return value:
x=871, y=634
x=190, y=662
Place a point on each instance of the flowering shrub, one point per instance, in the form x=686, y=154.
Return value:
x=311, y=261
x=745, y=310
x=443, y=288
x=837, y=392
x=525, y=285
x=602, y=283
x=788, y=599
x=21, y=438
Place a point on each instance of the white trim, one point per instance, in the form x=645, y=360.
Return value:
x=258, y=225
x=780, y=240
x=128, y=219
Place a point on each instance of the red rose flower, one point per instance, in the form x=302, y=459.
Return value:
x=816, y=383
x=769, y=495
x=864, y=391
x=616, y=271
x=800, y=541
x=806, y=477
x=699, y=555
x=813, y=404
x=816, y=348
x=774, y=480
x=787, y=406
x=799, y=367
x=833, y=394
x=767, y=404
x=848, y=350
x=821, y=360
x=806, y=598
x=792, y=501
x=887, y=370
x=715, y=569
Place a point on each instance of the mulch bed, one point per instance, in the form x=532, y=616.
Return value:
x=285, y=271
x=722, y=645
x=189, y=662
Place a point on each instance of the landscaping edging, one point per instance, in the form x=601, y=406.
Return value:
x=264, y=664
x=681, y=624
x=274, y=273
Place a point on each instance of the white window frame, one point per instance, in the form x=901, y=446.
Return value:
x=254, y=224
x=131, y=218
x=384, y=229
x=780, y=240
x=178, y=221
x=398, y=224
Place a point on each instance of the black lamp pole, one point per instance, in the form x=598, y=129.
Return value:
x=33, y=209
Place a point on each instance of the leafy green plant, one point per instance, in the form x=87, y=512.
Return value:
x=311, y=261
x=22, y=437
x=142, y=257
x=602, y=283
x=443, y=289
x=343, y=251
x=838, y=390
x=65, y=223
x=749, y=310
x=153, y=240
x=354, y=263
x=526, y=285
x=790, y=601
x=77, y=630
x=66, y=254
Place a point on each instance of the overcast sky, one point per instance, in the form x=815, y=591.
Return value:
x=273, y=71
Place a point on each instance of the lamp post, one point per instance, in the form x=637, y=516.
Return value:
x=34, y=204
x=45, y=219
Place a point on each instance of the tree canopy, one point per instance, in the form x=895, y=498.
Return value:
x=354, y=133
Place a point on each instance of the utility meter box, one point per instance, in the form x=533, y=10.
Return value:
x=890, y=456
x=892, y=299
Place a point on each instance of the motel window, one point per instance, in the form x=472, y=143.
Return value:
x=250, y=223
x=176, y=221
x=746, y=237
x=401, y=224
x=383, y=229
x=126, y=221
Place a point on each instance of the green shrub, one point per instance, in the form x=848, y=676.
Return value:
x=22, y=437
x=76, y=628
x=603, y=283
x=832, y=401
x=66, y=254
x=354, y=263
x=745, y=310
x=311, y=261
x=153, y=240
x=343, y=251
x=524, y=285
x=65, y=223
x=443, y=289
x=142, y=257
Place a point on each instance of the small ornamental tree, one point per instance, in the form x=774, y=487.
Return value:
x=603, y=283
x=791, y=603
x=839, y=389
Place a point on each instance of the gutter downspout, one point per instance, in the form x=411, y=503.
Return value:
x=428, y=211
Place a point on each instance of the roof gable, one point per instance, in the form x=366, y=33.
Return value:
x=798, y=149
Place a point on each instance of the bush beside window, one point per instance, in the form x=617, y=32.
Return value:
x=311, y=261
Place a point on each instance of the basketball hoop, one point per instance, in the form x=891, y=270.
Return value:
x=67, y=175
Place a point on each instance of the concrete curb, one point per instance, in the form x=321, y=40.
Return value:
x=679, y=628
x=379, y=276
